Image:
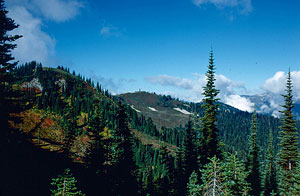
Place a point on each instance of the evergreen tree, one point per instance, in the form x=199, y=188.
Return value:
x=6, y=65
x=190, y=154
x=70, y=127
x=295, y=189
x=213, y=179
x=168, y=173
x=123, y=169
x=95, y=155
x=209, y=144
x=288, y=153
x=65, y=185
x=253, y=162
x=235, y=175
x=270, y=169
x=193, y=188
x=180, y=182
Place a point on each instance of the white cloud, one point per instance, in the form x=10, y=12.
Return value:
x=55, y=10
x=275, y=84
x=35, y=44
x=243, y=6
x=239, y=102
x=273, y=89
x=58, y=10
x=194, y=88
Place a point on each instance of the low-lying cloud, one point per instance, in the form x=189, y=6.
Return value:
x=194, y=89
x=273, y=89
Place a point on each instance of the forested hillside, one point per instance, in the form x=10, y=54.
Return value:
x=64, y=134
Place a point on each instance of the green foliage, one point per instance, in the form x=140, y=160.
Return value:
x=270, y=184
x=6, y=46
x=190, y=152
x=213, y=178
x=254, y=177
x=6, y=65
x=95, y=155
x=209, y=144
x=235, y=175
x=65, y=185
x=123, y=169
x=193, y=187
x=288, y=154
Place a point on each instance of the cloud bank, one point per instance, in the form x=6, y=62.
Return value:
x=269, y=101
x=36, y=44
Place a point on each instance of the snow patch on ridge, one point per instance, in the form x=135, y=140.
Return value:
x=182, y=111
x=153, y=109
x=132, y=107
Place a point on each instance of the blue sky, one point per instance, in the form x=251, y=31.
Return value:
x=162, y=46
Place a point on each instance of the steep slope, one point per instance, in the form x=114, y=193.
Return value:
x=165, y=110
x=50, y=129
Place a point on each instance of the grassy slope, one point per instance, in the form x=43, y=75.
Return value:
x=164, y=116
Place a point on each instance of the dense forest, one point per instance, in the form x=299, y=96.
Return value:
x=64, y=134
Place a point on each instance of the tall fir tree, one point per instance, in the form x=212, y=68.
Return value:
x=253, y=162
x=167, y=177
x=70, y=127
x=209, y=144
x=190, y=153
x=270, y=169
x=6, y=65
x=95, y=155
x=288, y=155
x=123, y=168
x=180, y=182
x=6, y=46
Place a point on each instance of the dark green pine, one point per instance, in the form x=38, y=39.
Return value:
x=190, y=153
x=123, y=171
x=253, y=162
x=209, y=144
x=270, y=169
x=288, y=153
x=6, y=65
x=95, y=154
